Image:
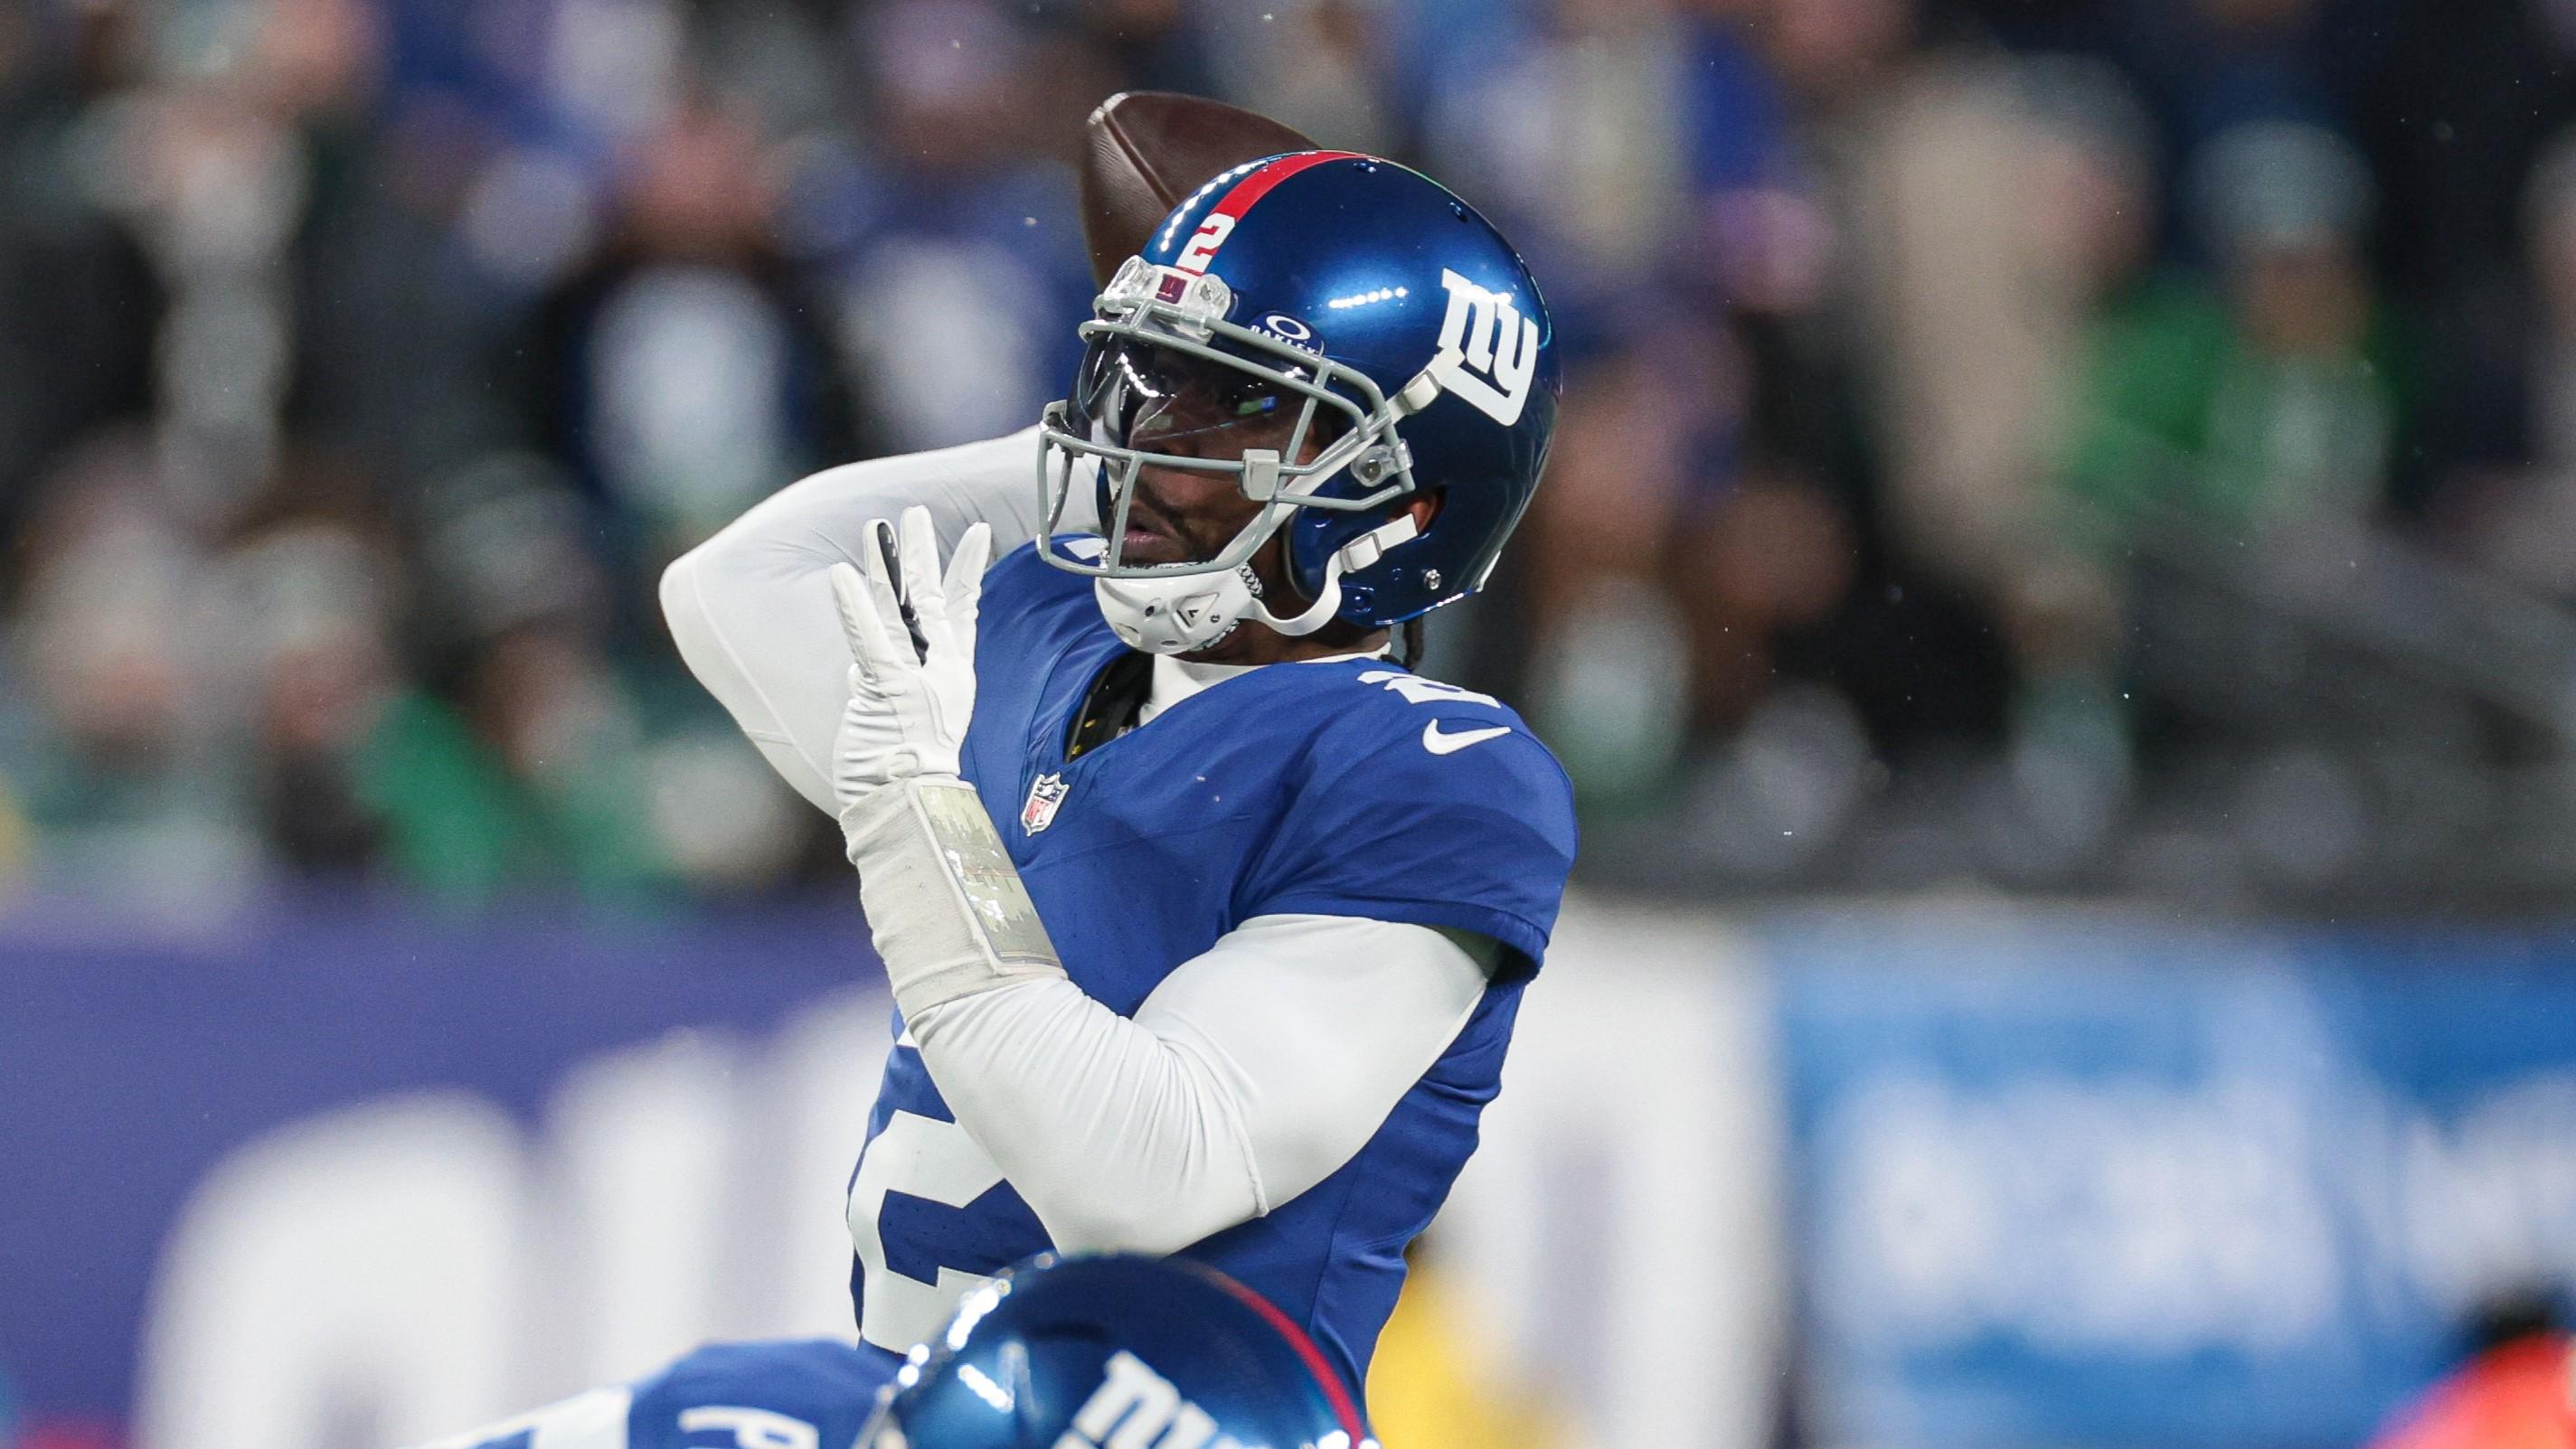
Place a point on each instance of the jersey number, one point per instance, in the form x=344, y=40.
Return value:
x=932, y=1220
x=1418, y=690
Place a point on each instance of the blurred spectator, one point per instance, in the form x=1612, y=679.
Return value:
x=1990, y=194
x=568, y=769
x=2200, y=419
x=1883, y=300
x=2515, y=514
x=523, y=770
x=1569, y=130
x=683, y=371
x=117, y=758
x=1640, y=152
x=1836, y=54
x=1608, y=644
x=388, y=190
x=960, y=281
x=386, y=347
x=79, y=304
x=2237, y=62
x=314, y=640
x=2281, y=401
x=1314, y=65
x=1163, y=45
x=2057, y=155
x=362, y=775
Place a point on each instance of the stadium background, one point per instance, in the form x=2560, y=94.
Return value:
x=2053, y=589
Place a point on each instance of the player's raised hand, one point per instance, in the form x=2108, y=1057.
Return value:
x=911, y=632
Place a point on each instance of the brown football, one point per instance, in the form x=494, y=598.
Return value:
x=1142, y=151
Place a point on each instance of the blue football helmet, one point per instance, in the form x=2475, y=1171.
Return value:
x=1108, y=1352
x=1336, y=334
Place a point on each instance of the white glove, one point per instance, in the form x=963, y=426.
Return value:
x=948, y=911
x=909, y=703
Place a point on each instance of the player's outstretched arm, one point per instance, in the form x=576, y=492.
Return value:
x=752, y=613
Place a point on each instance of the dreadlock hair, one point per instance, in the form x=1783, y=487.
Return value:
x=1409, y=647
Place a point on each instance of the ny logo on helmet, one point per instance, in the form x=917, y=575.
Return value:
x=1488, y=350
x=1137, y=1408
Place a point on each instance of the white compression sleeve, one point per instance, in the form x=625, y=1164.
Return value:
x=751, y=608
x=1253, y=1072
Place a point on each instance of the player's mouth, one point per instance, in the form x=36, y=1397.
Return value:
x=1151, y=538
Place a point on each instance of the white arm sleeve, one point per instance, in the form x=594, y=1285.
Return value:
x=1251, y=1074
x=752, y=611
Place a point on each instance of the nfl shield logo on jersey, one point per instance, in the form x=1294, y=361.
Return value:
x=1044, y=796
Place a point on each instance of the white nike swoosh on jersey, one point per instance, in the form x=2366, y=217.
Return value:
x=1440, y=744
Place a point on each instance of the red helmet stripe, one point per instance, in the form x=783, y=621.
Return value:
x=1338, y=1396
x=1257, y=185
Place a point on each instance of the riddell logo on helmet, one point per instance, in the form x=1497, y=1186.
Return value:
x=1137, y=1408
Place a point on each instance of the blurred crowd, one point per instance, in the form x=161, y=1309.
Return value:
x=2071, y=445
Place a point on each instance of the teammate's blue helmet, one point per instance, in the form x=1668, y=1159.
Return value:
x=1116, y=1351
x=1323, y=300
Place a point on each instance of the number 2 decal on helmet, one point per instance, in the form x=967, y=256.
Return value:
x=1203, y=244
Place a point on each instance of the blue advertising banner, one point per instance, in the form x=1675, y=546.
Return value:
x=143, y=1069
x=2100, y=1184
x=344, y=1175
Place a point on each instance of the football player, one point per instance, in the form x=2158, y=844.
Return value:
x=1084, y=1354
x=1206, y=920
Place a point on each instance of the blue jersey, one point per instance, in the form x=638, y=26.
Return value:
x=1351, y=788
x=809, y=1394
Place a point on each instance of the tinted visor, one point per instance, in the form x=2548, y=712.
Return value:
x=1157, y=400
